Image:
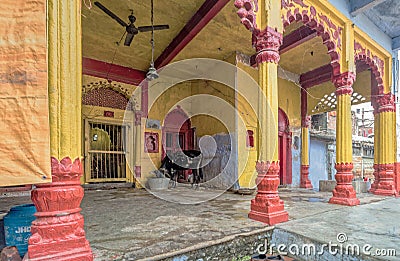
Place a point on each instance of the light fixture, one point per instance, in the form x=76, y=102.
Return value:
x=152, y=73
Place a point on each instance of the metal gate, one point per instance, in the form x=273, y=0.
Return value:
x=105, y=160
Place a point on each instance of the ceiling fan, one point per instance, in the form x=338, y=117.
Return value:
x=131, y=29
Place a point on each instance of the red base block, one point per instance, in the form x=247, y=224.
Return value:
x=376, y=178
x=267, y=207
x=270, y=211
x=304, y=180
x=397, y=176
x=386, y=185
x=344, y=193
x=57, y=232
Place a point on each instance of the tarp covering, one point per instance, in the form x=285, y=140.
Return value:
x=24, y=127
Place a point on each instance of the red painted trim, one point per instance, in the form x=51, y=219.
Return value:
x=297, y=37
x=112, y=72
x=285, y=151
x=316, y=76
x=199, y=20
x=323, y=74
x=303, y=95
x=397, y=176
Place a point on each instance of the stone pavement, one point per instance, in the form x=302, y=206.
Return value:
x=132, y=224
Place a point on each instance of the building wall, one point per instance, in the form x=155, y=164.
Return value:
x=318, y=162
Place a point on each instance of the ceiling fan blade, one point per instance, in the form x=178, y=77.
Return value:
x=156, y=27
x=128, y=39
x=111, y=14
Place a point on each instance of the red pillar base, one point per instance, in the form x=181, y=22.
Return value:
x=397, y=176
x=267, y=207
x=376, y=178
x=304, y=180
x=386, y=185
x=57, y=232
x=344, y=193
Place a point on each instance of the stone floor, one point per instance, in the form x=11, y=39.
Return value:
x=132, y=224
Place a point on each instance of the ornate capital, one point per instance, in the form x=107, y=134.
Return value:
x=343, y=83
x=386, y=103
x=267, y=43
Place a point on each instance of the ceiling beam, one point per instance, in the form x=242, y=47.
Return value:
x=199, y=20
x=359, y=6
x=324, y=74
x=112, y=72
x=297, y=37
x=316, y=76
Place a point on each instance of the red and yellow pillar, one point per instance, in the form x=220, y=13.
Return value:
x=57, y=232
x=305, y=141
x=385, y=123
x=267, y=206
x=344, y=193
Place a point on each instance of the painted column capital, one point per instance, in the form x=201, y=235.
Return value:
x=386, y=103
x=268, y=41
x=344, y=82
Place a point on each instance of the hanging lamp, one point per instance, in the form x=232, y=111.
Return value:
x=152, y=73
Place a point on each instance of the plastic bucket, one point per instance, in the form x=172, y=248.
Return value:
x=17, y=226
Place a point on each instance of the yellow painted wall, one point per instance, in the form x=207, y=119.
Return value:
x=290, y=102
x=247, y=113
x=199, y=99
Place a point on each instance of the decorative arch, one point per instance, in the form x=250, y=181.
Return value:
x=110, y=95
x=298, y=11
x=377, y=65
x=177, y=131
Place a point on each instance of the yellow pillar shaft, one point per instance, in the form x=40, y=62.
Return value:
x=268, y=111
x=387, y=137
x=304, y=146
x=65, y=77
x=344, y=149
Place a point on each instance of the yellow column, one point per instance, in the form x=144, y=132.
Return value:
x=344, y=193
x=304, y=146
x=385, y=184
x=266, y=27
x=305, y=125
x=138, y=148
x=65, y=78
x=57, y=232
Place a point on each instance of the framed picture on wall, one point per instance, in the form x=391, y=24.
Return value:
x=151, y=141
